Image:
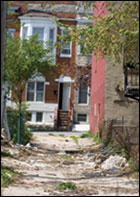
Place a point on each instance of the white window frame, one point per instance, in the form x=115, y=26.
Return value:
x=36, y=117
x=46, y=23
x=35, y=92
x=84, y=104
x=26, y=32
x=61, y=54
x=52, y=28
x=82, y=114
x=41, y=27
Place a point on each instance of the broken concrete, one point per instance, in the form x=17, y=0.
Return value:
x=43, y=171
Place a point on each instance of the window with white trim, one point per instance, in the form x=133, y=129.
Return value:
x=40, y=32
x=82, y=117
x=51, y=38
x=35, y=91
x=24, y=32
x=65, y=48
x=83, y=94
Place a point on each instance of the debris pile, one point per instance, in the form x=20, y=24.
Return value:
x=114, y=161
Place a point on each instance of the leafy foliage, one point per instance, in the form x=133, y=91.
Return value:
x=87, y=135
x=23, y=60
x=6, y=174
x=112, y=32
x=13, y=122
x=67, y=185
x=75, y=139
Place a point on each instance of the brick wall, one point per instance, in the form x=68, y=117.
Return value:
x=52, y=89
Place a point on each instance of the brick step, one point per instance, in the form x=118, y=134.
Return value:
x=63, y=112
x=63, y=118
x=64, y=122
x=63, y=128
x=63, y=125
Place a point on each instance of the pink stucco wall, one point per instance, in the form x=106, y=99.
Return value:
x=97, y=80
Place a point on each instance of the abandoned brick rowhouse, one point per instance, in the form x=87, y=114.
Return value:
x=54, y=102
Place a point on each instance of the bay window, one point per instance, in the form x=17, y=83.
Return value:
x=40, y=32
x=51, y=38
x=24, y=32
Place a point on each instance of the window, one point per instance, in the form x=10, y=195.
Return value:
x=30, y=116
x=51, y=38
x=83, y=94
x=65, y=48
x=81, y=46
x=35, y=91
x=40, y=32
x=24, y=32
x=39, y=91
x=30, y=91
x=11, y=32
x=82, y=117
x=39, y=116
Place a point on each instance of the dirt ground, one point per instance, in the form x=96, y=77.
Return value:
x=52, y=160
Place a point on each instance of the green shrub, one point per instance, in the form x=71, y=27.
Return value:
x=12, y=115
x=6, y=175
x=67, y=185
x=87, y=135
x=96, y=138
x=75, y=139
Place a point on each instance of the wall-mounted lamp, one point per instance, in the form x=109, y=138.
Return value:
x=55, y=92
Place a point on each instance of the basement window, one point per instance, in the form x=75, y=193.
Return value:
x=82, y=117
x=39, y=116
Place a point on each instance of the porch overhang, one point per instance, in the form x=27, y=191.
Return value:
x=65, y=80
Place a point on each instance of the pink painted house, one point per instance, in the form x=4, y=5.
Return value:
x=97, y=80
x=114, y=92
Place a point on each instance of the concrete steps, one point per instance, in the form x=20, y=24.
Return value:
x=63, y=120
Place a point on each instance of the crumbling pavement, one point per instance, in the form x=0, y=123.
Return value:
x=51, y=160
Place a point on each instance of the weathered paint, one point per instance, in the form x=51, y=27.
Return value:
x=97, y=80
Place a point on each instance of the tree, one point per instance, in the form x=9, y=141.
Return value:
x=112, y=33
x=3, y=25
x=23, y=60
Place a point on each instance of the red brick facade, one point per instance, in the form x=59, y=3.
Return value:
x=51, y=91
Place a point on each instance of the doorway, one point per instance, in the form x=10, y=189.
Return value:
x=64, y=95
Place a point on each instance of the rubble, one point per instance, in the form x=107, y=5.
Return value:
x=42, y=171
x=114, y=161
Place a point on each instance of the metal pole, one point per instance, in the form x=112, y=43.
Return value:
x=19, y=122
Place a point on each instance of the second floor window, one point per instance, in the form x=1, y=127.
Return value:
x=35, y=91
x=65, y=48
x=51, y=38
x=40, y=32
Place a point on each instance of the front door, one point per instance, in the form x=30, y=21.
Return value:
x=65, y=96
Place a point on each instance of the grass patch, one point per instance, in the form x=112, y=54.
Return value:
x=75, y=139
x=65, y=157
x=96, y=138
x=61, y=135
x=7, y=175
x=67, y=185
x=51, y=134
x=4, y=154
x=87, y=135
